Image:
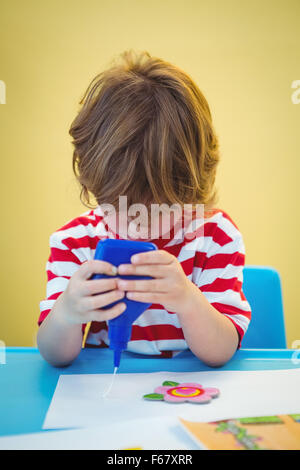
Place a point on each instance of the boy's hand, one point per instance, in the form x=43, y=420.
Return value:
x=170, y=286
x=80, y=302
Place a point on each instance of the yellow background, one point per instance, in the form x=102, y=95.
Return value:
x=244, y=57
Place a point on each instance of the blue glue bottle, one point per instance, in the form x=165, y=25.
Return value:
x=119, y=252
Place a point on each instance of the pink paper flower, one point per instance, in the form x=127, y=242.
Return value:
x=192, y=392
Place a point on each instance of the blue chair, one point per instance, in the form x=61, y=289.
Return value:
x=262, y=288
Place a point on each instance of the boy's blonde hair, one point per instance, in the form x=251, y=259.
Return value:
x=145, y=131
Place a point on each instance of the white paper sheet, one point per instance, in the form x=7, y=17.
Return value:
x=131, y=434
x=78, y=402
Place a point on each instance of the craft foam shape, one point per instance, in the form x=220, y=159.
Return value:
x=174, y=392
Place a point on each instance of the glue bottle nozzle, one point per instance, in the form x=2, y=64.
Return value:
x=117, y=357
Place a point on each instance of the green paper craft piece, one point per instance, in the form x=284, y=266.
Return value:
x=169, y=383
x=260, y=420
x=154, y=396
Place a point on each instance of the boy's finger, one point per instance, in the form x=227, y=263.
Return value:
x=100, y=301
x=95, y=266
x=103, y=315
x=143, y=285
x=96, y=286
x=157, y=271
x=152, y=257
x=147, y=297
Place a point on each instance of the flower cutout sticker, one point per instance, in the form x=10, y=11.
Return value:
x=174, y=392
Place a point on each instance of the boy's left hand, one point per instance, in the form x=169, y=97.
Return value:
x=169, y=287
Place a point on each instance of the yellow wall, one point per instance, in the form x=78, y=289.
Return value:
x=243, y=55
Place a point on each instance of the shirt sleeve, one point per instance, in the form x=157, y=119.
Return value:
x=60, y=266
x=218, y=272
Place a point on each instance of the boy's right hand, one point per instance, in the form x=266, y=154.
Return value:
x=81, y=305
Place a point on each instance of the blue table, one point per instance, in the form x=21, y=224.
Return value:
x=27, y=381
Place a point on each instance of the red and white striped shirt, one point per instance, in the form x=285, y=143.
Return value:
x=213, y=261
